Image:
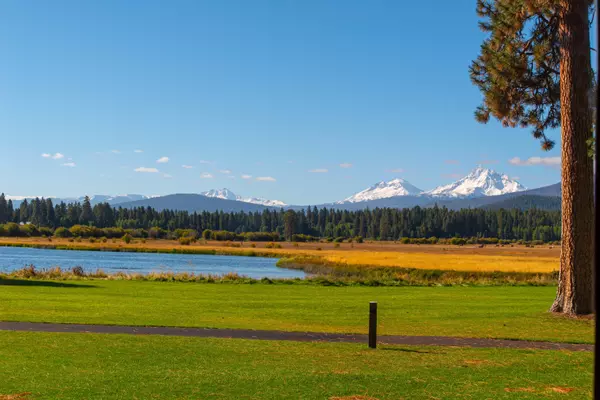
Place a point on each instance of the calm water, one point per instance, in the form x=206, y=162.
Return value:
x=12, y=258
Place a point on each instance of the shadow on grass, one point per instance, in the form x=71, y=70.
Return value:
x=31, y=282
x=405, y=350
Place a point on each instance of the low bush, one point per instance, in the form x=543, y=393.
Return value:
x=185, y=241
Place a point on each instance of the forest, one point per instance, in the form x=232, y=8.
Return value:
x=42, y=217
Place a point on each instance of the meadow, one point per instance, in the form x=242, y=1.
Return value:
x=518, y=258
x=505, y=312
x=95, y=366
x=40, y=365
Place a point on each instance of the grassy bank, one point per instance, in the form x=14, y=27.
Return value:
x=491, y=312
x=399, y=276
x=319, y=274
x=92, y=366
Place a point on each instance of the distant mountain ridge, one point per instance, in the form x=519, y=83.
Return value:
x=94, y=199
x=539, y=195
x=227, y=194
x=481, y=188
x=193, y=203
x=479, y=182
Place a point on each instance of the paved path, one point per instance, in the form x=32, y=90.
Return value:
x=296, y=336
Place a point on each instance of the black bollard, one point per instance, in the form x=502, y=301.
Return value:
x=373, y=324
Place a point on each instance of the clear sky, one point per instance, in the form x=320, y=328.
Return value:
x=302, y=101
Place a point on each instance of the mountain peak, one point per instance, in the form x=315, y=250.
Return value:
x=227, y=194
x=479, y=182
x=383, y=190
x=224, y=193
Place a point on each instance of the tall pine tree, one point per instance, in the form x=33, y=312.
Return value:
x=87, y=214
x=534, y=71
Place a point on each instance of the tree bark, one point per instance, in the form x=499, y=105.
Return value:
x=575, y=285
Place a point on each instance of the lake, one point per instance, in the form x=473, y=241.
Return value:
x=12, y=258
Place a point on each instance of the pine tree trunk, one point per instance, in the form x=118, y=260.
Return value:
x=575, y=285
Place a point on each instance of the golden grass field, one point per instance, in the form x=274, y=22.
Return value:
x=376, y=254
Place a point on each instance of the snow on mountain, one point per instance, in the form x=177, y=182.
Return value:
x=227, y=194
x=383, y=190
x=264, y=202
x=480, y=182
x=224, y=194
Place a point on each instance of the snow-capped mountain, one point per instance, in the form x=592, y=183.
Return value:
x=227, y=194
x=224, y=193
x=384, y=190
x=480, y=182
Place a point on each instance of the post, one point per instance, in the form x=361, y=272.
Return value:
x=373, y=324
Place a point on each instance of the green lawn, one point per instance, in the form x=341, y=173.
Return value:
x=496, y=312
x=92, y=366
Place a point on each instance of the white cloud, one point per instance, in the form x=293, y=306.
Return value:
x=395, y=170
x=69, y=164
x=319, y=170
x=167, y=176
x=163, y=160
x=206, y=175
x=246, y=176
x=225, y=171
x=547, y=161
x=345, y=165
x=115, y=151
x=55, y=156
x=265, y=179
x=515, y=178
x=138, y=151
x=187, y=166
x=146, y=169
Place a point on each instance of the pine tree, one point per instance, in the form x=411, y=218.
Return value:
x=10, y=210
x=534, y=71
x=289, y=221
x=4, y=217
x=36, y=213
x=23, y=211
x=87, y=214
x=50, y=216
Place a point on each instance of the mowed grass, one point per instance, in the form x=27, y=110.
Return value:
x=94, y=366
x=375, y=254
x=487, y=312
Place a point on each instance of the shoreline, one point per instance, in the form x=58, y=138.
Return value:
x=384, y=264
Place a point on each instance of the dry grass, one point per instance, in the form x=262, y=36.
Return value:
x=17, y=396
x=375, y=254
x=458, y=262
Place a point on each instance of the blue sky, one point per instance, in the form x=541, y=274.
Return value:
x=354, y=91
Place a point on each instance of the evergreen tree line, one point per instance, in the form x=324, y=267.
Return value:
x=378, y=224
